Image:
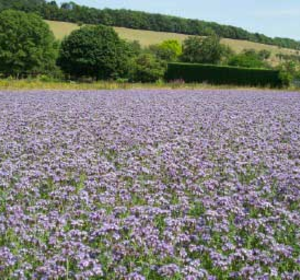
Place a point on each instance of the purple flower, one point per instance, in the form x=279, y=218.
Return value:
x=135, y=184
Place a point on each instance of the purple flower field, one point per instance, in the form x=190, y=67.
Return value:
x=150, y=185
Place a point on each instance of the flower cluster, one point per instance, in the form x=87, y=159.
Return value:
x=150, y=185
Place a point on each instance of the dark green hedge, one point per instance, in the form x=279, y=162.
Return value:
x=212, y=74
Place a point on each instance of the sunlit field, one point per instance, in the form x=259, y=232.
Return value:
x=146, y=38
x=150, y=184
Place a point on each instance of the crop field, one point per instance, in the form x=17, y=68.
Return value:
x=150, y=184
x=146, y=38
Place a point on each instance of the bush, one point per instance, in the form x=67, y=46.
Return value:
x=134, y=48
x=146, y=68
x=27, y=46
x=286, y=78
x=249, y=59
x=222, y=75
x=202, y=50
x=264, y=54
x=227, y=54
x=94, y=51
x=169, y=50
x=289, y=72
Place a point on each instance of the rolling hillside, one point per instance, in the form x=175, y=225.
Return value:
x=146, y=38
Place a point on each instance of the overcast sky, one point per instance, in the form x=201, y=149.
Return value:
x=279, y=18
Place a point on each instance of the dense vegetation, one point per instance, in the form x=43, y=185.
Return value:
x=168, y=50
x=95, y=52
x=149, y=185
x=213, y=74
x=72, y=12
x=250, y=59
x=147, y=68
x=202, y=50
x=27, y=45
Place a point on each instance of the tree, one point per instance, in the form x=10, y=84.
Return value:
x=27, y=46
x=72, y=12
x=22, y=5
x=168, y=50
x=94, y=51
x=264, y=54
x=227, y=54
x=248, y=59
x=146, y=68
x=289, y=71
x=173, y=47
x=202, y=50
x=135, y=48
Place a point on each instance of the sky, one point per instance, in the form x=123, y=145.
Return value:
x=275, y=18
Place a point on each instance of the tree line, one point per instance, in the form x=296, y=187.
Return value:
x=96, y=52
x=71, y=12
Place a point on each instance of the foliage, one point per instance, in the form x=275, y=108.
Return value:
x=249, y=59
x=149, y=185
x=222, y=75
x=95, y=52
x=286, y=78
x=264, y=54
x=288, y=57
x=243, y=60
x=22, y=5
x=289, y=71
x=71, y=12
x=169, y=50
x=146, y=68
x=202, y=50
x=227, y=54
x=172, y=45
x=27, y=46
x=134, y=48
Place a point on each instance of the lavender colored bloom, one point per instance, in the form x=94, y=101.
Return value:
x=144, y=184
x=135, y=276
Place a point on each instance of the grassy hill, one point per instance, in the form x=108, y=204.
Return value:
x=146, y=38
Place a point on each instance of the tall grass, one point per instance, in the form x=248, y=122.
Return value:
x=36, y=84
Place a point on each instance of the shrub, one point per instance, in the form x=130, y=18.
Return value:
x=227, y=54
x=264, y=54
x=249, y=59
x=94, y=51
x=27, y=46
x=286, y=78
x=222, y=75
x=169, y=50
x=172, y=45
x=134, y=48
x=202, y=50
x=146, y=68
x=289, y=71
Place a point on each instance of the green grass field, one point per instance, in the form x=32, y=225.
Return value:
x=146, y=38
